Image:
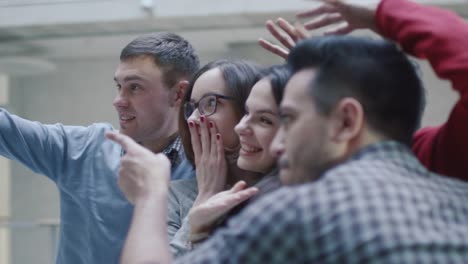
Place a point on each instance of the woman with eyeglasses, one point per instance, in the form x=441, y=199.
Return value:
x=214, y=104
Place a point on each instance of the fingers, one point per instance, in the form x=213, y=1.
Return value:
x=213, y=141
x=195, y=139
x=275, y=49
x=290, y=30
x=320, y=10
x=239, y=193
x=126, y=142
x=324, y=21
x=220, y=148
x=300, y=30
x=286, y=39
x=240, y=185
x=240, y=196
x=204, y=135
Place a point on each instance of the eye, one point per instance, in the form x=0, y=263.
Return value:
x=211, y=102
x=135, y=87
x=208, y=105
x=266, y=121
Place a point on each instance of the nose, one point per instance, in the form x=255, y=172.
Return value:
x=194, y=117
x=243, y=128
x=277, y=145
x=120, y=100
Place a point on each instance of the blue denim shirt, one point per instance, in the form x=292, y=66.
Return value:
x=95, y=215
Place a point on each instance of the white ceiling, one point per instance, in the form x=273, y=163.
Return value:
x=222, y=28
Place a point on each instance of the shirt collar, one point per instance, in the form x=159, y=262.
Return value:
x=174, y=151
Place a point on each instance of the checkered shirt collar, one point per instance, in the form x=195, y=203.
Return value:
x=174, y=152
x=385, y=149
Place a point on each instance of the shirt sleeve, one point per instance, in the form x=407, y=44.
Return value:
x=256, y=235
x=441, y=37
x=51, y=150
x=180, y=240
x=177, y=228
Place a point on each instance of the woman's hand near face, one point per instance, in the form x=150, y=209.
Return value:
x=142, y=174
x=203, y=216
x=210, y=162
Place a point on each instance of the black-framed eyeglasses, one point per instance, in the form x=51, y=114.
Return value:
x=206, y=105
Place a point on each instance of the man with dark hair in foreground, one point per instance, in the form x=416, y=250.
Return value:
x=358, y=194
x=95, y=216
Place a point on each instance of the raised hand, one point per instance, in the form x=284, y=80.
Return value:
x=347, y=15
x=210, y=161
x=203, y=216
x=142, y=173
x=287, y=34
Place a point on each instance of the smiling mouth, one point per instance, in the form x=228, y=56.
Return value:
x=126, y=118
x=249, y=149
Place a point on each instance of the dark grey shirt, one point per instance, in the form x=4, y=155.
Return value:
x=381, y=206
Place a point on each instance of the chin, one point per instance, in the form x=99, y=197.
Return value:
x=250, y=165
x=129, y=134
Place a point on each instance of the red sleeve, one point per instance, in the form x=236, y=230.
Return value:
x=441, y=37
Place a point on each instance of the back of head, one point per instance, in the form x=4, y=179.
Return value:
x=374, y=72
x=173, y=54
x=239, y=77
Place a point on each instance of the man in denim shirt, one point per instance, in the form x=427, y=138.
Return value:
x=151, y=78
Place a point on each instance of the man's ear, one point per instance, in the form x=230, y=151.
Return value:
x=178, y=92
x=348, y=120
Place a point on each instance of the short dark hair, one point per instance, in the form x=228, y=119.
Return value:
x=375, y=72
x=239, y=75
x=173, y=54
x=278, y=76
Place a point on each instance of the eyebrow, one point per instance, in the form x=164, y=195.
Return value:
x=285, y=108
x=265, y=111
x=130, y=78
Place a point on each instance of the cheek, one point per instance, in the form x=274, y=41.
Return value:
x=265, y=137
x=226, y=129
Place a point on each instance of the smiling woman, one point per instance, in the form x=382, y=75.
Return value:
x=228, y=156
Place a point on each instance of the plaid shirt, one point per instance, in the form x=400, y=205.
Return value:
x=174, y=152
x=381, y=206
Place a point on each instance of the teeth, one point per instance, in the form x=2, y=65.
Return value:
x=126, y=118
x=250, y=149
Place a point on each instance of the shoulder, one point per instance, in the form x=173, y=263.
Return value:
x=181, y=191
x=183, y=170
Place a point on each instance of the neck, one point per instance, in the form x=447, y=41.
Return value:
x=369, y=137
x=236, y=174
x=160, y=144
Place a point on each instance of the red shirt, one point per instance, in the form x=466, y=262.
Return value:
x=441, y=37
